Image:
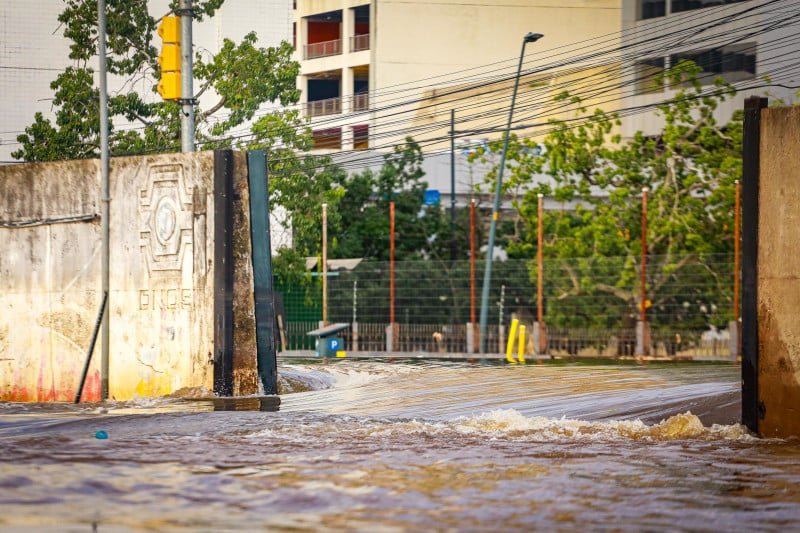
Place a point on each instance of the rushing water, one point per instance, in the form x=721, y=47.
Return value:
x=409, y=447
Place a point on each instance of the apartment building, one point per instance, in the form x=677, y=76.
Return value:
x=751, y=44
x=374, y=70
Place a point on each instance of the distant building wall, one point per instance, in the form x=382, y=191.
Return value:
x=164, y=301
x=778, y=273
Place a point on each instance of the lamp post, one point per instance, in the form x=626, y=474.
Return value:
x=487, y=274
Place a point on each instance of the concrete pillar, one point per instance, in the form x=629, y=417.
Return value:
x=389, y=338
x=348, y=29
x=539, y=338
x=775, y=300
x=302, y=39
x=354, y=329
x=347, y=136
x=501, y=339
x=347, y=90
x=470, y=338
x=642, y=338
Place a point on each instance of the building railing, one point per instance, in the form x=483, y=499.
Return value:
x=359, y=42
x=319, y=108
x=360, y=102
x=323, y=49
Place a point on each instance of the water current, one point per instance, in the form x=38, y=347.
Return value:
x=375, y=446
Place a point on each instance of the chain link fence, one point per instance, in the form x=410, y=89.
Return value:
x=590, y=305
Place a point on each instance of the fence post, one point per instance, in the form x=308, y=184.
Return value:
x=390, y=338
x=470, y=337
x=539, y=338
x=642, y=338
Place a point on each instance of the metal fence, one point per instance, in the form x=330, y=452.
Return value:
x=323, y=49
x=590, y=304
x=329, y=106
x=359, y=42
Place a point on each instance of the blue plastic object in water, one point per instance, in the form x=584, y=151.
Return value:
x=101, y=435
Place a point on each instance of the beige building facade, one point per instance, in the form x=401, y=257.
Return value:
x=750, y=44
x=376, y=71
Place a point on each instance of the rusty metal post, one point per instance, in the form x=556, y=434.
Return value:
x=643, y=307
x=472, y=308
x=324, y=264
x=642, y=329
x=539, y=330
x=737, y=220
x=391, y=264
x=734, y=328
x=539, y=260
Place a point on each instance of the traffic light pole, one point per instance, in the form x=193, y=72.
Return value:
x=105, y=198
x=187, y=76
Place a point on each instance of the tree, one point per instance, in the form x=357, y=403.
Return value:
x=363, y=231
x=243, y=77
x=593, y=245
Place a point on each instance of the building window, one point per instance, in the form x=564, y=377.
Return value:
x=687, y=5
x=732, y=63
x=361, y=137
x=648, y=9
x=330, y=139
x=647, y=74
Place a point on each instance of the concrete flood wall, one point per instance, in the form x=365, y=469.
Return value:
x=180, y=304
x=770, y=270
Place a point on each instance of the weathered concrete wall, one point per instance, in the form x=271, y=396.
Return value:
x=48, y=294
x=779, y=272
x=161, y=277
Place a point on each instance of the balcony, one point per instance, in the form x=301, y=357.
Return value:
x=361, y=102
x=320, y=108
x=323, y=49
x=359, y=42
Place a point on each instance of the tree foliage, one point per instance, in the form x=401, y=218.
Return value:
x=363, y=226
x=238, y=81
x=594, y=241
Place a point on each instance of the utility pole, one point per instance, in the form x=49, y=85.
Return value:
x=105, y=198
x=324, y=265
x=187, y=77
x=453, y=251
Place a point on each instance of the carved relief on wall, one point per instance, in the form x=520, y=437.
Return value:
x=165, y=217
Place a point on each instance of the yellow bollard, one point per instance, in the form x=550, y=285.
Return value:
x=510, y=344
x=521, y=346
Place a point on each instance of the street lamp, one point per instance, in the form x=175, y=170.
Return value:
x=487, y=275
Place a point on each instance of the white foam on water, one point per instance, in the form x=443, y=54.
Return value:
x=503, y=424
x=301, y=378
x=509, y=422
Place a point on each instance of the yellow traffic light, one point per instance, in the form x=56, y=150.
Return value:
x=170, y=30
x=169, y=87
x=170, y=58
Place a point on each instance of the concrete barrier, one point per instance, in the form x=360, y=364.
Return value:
x=770, y=270
x=181, y=299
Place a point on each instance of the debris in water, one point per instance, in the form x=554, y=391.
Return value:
x=102, y=435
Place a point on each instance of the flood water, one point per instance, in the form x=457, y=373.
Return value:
x=372, y=446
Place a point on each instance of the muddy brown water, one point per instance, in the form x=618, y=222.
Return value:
x=370, y=446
